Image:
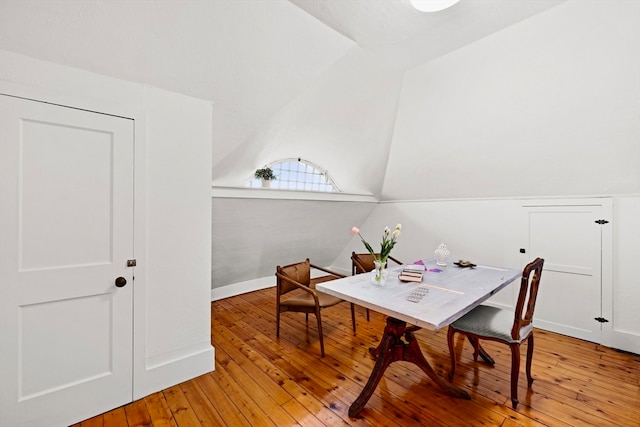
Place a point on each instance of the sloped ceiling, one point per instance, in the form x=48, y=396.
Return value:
x=250, y=58
x=240, y=53
x=403, y=37
x=250, y=54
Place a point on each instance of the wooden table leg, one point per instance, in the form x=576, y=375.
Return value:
x=374, y=351
x=392, y=349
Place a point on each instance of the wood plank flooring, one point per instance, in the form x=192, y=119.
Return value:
x=263, y=381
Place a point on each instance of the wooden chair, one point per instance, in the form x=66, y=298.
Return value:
x=508, y=327
x=296, y=292
x=363, y=263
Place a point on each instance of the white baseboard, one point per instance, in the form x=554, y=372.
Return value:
x=242, y=287
x=257, y=284
x=175, y=368
x=498, y=305
x=625, y=341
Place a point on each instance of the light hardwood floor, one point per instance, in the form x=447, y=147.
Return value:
x=263, y=381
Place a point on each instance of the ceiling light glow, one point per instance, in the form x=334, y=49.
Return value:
x=432, y=5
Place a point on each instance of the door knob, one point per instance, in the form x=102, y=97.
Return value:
x=121, y=281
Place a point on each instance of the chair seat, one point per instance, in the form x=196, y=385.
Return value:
x=491, y=322
x=306, y=299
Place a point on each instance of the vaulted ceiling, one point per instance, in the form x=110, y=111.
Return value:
x=252, y=53
x=404, y=37
x=249, y=57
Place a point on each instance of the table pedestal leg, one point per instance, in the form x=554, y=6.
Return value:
x=392, y=349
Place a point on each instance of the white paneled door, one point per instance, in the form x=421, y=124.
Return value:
x=574, y=241
x=66, y=233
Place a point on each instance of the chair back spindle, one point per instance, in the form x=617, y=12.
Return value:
x=529, y=286
x=363, y=263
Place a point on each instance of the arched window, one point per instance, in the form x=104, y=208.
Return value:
x=298, y=174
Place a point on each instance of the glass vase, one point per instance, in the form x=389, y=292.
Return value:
x=379, y=274
x=442, y=253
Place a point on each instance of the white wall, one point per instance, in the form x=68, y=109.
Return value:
x=343, y=123
x=256, y=230
x=626, y=258
x=178, y=238
x=351, y=108
x=546, y=107
x=172, y=211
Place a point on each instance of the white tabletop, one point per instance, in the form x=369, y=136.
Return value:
x=452, y=292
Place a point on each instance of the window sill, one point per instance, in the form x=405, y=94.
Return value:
x=269, y=193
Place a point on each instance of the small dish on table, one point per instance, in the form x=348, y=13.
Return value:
x=464, y=264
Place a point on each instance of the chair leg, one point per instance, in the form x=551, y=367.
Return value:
x=529, y=359
x=479, y=351
x=515, y=371
x=450, y=335
x=476, y=347
x=320, y=332
x=353, y=317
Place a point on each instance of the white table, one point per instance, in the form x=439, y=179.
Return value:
x=448, y=294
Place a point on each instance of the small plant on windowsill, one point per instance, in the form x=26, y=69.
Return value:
x=266, y=175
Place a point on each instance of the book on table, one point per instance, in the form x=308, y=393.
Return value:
x=414, y=268
x=411, y=273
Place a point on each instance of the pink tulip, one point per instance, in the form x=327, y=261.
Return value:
x=355, y=230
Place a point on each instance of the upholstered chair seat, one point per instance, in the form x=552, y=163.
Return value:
x=305, y=299
x=492, y=322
